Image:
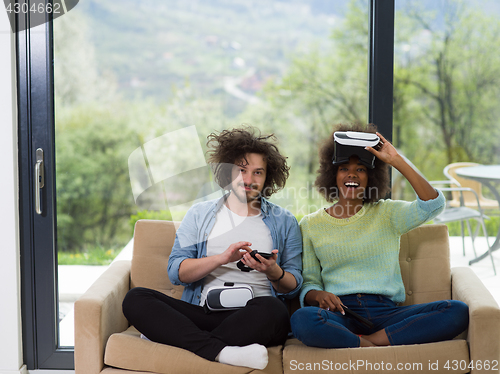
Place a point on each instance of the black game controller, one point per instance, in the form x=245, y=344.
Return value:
x=245, y=268
x=356, y=316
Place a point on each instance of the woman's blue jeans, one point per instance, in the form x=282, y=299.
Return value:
x=412, y=324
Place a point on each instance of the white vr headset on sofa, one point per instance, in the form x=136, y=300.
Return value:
x=228, y=297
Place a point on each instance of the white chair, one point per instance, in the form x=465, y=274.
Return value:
x=470, y=200
x=463, y=214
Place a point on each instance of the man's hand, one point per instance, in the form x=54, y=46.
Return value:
x=266, y=266
x=233, y=252
x=283, y=282
x=194, y=269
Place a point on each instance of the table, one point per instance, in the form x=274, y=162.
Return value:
x=486, y=174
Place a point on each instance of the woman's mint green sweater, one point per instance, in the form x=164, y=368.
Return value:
x=360, y=254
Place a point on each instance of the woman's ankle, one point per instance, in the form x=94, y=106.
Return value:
x=365, y=342
x=378, y=338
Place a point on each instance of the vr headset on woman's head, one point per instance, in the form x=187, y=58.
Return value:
x=353, y=143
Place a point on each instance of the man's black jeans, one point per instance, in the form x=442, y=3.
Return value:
x=163, y=319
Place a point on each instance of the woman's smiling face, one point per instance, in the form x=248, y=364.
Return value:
x=352, y=179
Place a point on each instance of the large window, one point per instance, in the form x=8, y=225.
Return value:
x=140, y=85
x=123, y=115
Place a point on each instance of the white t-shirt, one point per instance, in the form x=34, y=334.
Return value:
x=231, y=228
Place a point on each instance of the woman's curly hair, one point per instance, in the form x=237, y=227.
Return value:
x=230, y=146
x=326, y=182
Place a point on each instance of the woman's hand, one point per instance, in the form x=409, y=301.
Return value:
x=325, y=300
x=390, y=155
x=386, y=152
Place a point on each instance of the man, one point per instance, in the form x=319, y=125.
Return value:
x=211, y=239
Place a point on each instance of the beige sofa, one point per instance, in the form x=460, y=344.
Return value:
x=105, y=343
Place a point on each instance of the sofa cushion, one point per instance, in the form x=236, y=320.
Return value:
x=415, y=358
x=153, y=241
x=127, y=350
x=111, y=370
x=424, y=258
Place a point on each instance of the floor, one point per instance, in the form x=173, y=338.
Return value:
x=75, y=280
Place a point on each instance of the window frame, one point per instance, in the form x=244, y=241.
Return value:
x=35, y=97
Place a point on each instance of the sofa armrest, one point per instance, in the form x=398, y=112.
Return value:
x=98, y=314
x=484, y=315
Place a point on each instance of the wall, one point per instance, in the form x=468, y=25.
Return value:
x=11, y=360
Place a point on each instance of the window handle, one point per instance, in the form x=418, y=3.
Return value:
x=39, y=180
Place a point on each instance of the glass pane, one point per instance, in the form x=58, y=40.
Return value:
x=446, y=107
x=446, y=85
x=139, y=87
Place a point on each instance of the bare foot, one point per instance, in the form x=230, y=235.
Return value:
x=378, y=338
x=365, y=343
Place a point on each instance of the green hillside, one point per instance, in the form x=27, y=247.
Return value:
x=152, y=46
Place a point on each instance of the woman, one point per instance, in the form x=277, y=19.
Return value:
x=351, y=257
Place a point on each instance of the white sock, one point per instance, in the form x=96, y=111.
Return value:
x=252, y=356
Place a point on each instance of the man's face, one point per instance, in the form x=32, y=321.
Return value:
x=248, y=177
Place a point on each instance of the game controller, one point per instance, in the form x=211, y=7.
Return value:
x=356, y=316
x=245, y=268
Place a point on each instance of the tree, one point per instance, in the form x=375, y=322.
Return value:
x=325, y=86
x=77, y=79
x=94, y=201
x=456, y=78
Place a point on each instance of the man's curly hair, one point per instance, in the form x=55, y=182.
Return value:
x=229, y=147
x=326, y=182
